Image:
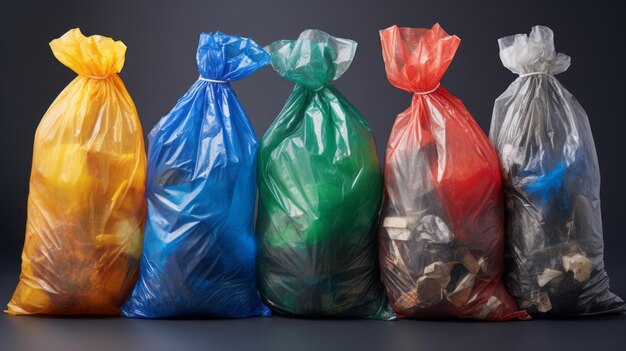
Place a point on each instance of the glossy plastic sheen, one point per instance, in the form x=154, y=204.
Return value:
x=443, y=196
x=320, y=189
x=86, y=204
x=198, y=256
x=551, y=182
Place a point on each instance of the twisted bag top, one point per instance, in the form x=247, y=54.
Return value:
x=551, y=184
x=441, y=236
x=228, y=58
x=416, y=58
x=86, y=205
x=198, y=255
x=313, y=60
x=94, y=56
x=534, y=54
x=319, y=190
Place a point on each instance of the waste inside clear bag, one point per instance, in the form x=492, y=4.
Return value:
x=551, y=176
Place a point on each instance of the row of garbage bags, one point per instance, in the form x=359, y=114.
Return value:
x=466, y=229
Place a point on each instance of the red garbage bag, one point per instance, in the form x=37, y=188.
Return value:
x=442, y=224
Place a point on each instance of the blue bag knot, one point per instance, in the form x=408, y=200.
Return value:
x=226, y=58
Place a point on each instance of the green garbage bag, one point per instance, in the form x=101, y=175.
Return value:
x=320, y=189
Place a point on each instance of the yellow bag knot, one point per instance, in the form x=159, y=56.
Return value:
x=94, y=57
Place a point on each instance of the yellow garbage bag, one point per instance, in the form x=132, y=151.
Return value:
x=86, y=206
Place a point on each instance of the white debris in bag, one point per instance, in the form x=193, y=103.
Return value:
x=549, y=275
x=433, y=228
x=399, y=234
x=430, y=228
x=541, y=300
x=578, y=264
x=506, y=157
x=397, y=228
x=482, y=263
x=489, y=307
x=396, y=222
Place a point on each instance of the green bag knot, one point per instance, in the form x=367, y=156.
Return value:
x=314, y=59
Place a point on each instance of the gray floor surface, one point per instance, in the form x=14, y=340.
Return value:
x=278, y=333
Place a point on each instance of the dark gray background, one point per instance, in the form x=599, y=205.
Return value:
x=160, y=66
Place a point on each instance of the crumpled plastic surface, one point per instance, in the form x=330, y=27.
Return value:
x=198, y=255
x=86, y=205
x=552, y=186
x=320, y=189
x=442, y=230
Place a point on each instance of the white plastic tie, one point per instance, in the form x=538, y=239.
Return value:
x=532, y=74
x=428, y=92
x=212, y=80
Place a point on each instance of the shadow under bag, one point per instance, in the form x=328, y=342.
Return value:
x=442, y=224
x=555, y=264
x=319, y=191
x=198, y=253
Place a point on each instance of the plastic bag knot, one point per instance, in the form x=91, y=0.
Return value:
x=533, y=53
x=314, y=59
x=95, y=57
x=226, y=58
x=416, y=58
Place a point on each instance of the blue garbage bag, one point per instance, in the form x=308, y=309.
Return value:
x=198, y=252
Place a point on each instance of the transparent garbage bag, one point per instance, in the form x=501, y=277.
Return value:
x=320, y=189
x=554, y=256
x=86, y=206
x=198, y=252
x=442, y=222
